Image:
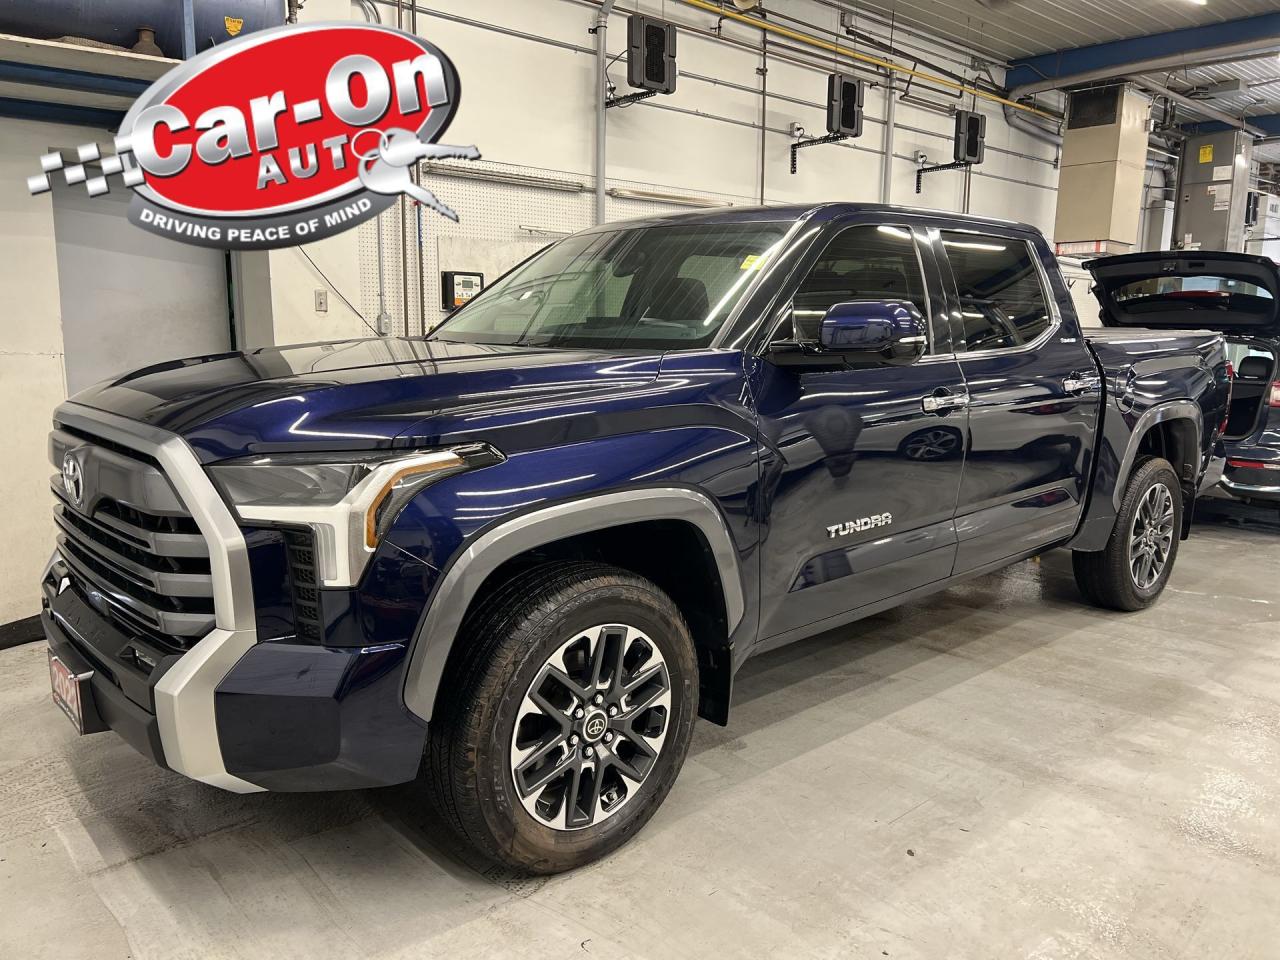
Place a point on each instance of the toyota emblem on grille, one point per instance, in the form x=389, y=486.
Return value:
x=73, y=480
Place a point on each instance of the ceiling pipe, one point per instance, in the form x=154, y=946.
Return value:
x=1156, y=145
x=602, y=92
x=859, y=57
x=1197, y=105
x=890, y=124
x=1032, y=129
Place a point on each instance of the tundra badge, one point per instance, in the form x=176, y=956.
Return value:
x=857, y=526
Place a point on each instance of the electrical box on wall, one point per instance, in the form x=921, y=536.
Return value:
x=845, y=97
x=1213, y=192
x=458, y=286
x=651, y=54
x=971, y=137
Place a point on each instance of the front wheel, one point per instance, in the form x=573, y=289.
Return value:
x=567, y=718
x=1133, y=569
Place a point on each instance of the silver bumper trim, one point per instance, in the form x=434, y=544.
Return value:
x=184, y=695
x=1248, y=488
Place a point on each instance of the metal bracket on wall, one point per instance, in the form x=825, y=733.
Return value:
x=629, y=98
x=829, y=138
x=921, y=170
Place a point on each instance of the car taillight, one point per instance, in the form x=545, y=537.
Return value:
x=1274, y=399
x=1251, y=464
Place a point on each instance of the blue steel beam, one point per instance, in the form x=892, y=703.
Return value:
x=1118, y=55
x=60, y=113
x=68, y=79
x=1270, y=123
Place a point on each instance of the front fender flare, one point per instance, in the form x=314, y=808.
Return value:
x=509, y=538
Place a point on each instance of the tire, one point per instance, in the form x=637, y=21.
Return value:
x=1148, y=525
x=493, y=723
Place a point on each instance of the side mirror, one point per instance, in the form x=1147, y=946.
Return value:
x=887, y=332
x=870, y=331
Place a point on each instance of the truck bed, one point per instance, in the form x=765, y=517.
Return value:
x=1125, y=351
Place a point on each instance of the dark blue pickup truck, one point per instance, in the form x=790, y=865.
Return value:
x=518, y=556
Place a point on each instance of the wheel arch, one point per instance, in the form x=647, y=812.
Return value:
x=1171, y=428
x=1173, y=431
x=599, y=526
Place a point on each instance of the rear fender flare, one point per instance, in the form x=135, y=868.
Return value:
x=477, y=560
x=1161, y=413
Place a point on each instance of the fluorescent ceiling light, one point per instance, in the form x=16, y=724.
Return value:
x=895, y=232
x=993, y=247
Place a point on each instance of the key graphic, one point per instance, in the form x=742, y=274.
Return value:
x=385, y=170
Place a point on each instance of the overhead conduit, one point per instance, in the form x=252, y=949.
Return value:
x=859, y=57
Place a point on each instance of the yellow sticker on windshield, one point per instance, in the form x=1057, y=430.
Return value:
x=752, y=262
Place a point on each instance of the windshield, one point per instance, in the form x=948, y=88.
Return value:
x=662, y=287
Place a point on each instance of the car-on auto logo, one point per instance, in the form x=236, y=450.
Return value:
x=279, y=137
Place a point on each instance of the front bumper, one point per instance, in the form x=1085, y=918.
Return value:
x=242, y=707
x=287, y=716
x=107, y=707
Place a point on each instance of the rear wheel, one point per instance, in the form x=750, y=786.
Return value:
x=565, y=722
x=1133, y=569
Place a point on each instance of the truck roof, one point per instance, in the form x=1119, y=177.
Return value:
x=796, y=211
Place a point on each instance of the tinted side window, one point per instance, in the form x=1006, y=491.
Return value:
x=860, y=263
x=1001, y=298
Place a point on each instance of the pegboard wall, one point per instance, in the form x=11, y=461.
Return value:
x=499, y=224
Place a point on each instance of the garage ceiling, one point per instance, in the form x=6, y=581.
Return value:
x=1260, y=98
x=1261, y=74
x=1009, y=29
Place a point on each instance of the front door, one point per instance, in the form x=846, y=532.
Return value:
x=1034, y=397
x=861, y=466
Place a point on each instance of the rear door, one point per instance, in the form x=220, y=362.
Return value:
x=1034, y=395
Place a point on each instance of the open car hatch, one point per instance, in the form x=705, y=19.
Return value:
x=1230, y=292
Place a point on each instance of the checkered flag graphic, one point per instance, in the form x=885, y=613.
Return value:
x=122, y=164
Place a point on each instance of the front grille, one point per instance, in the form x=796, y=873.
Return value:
x=131, y=543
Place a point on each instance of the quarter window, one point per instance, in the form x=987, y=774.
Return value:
x=860, y=263
x=1002, y=300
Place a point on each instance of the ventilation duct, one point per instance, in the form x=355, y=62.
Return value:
x=1104, y=161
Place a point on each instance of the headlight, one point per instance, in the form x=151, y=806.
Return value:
x=350, y=501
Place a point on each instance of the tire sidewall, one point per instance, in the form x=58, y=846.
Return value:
x=512, y=826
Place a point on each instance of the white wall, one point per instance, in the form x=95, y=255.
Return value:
x=128, y=297
x=528, y=73
x=31, y=377
x=529, y=105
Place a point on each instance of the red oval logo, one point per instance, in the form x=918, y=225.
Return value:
x=272, y=126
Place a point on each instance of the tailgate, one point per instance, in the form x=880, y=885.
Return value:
x=1229, y=292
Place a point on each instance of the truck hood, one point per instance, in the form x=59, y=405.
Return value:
x=363, y=394
x=1228, y=292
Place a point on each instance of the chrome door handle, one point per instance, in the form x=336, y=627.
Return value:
x=1082, y=384
x=940, y=403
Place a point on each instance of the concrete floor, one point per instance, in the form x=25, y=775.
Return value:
x=997, y=772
